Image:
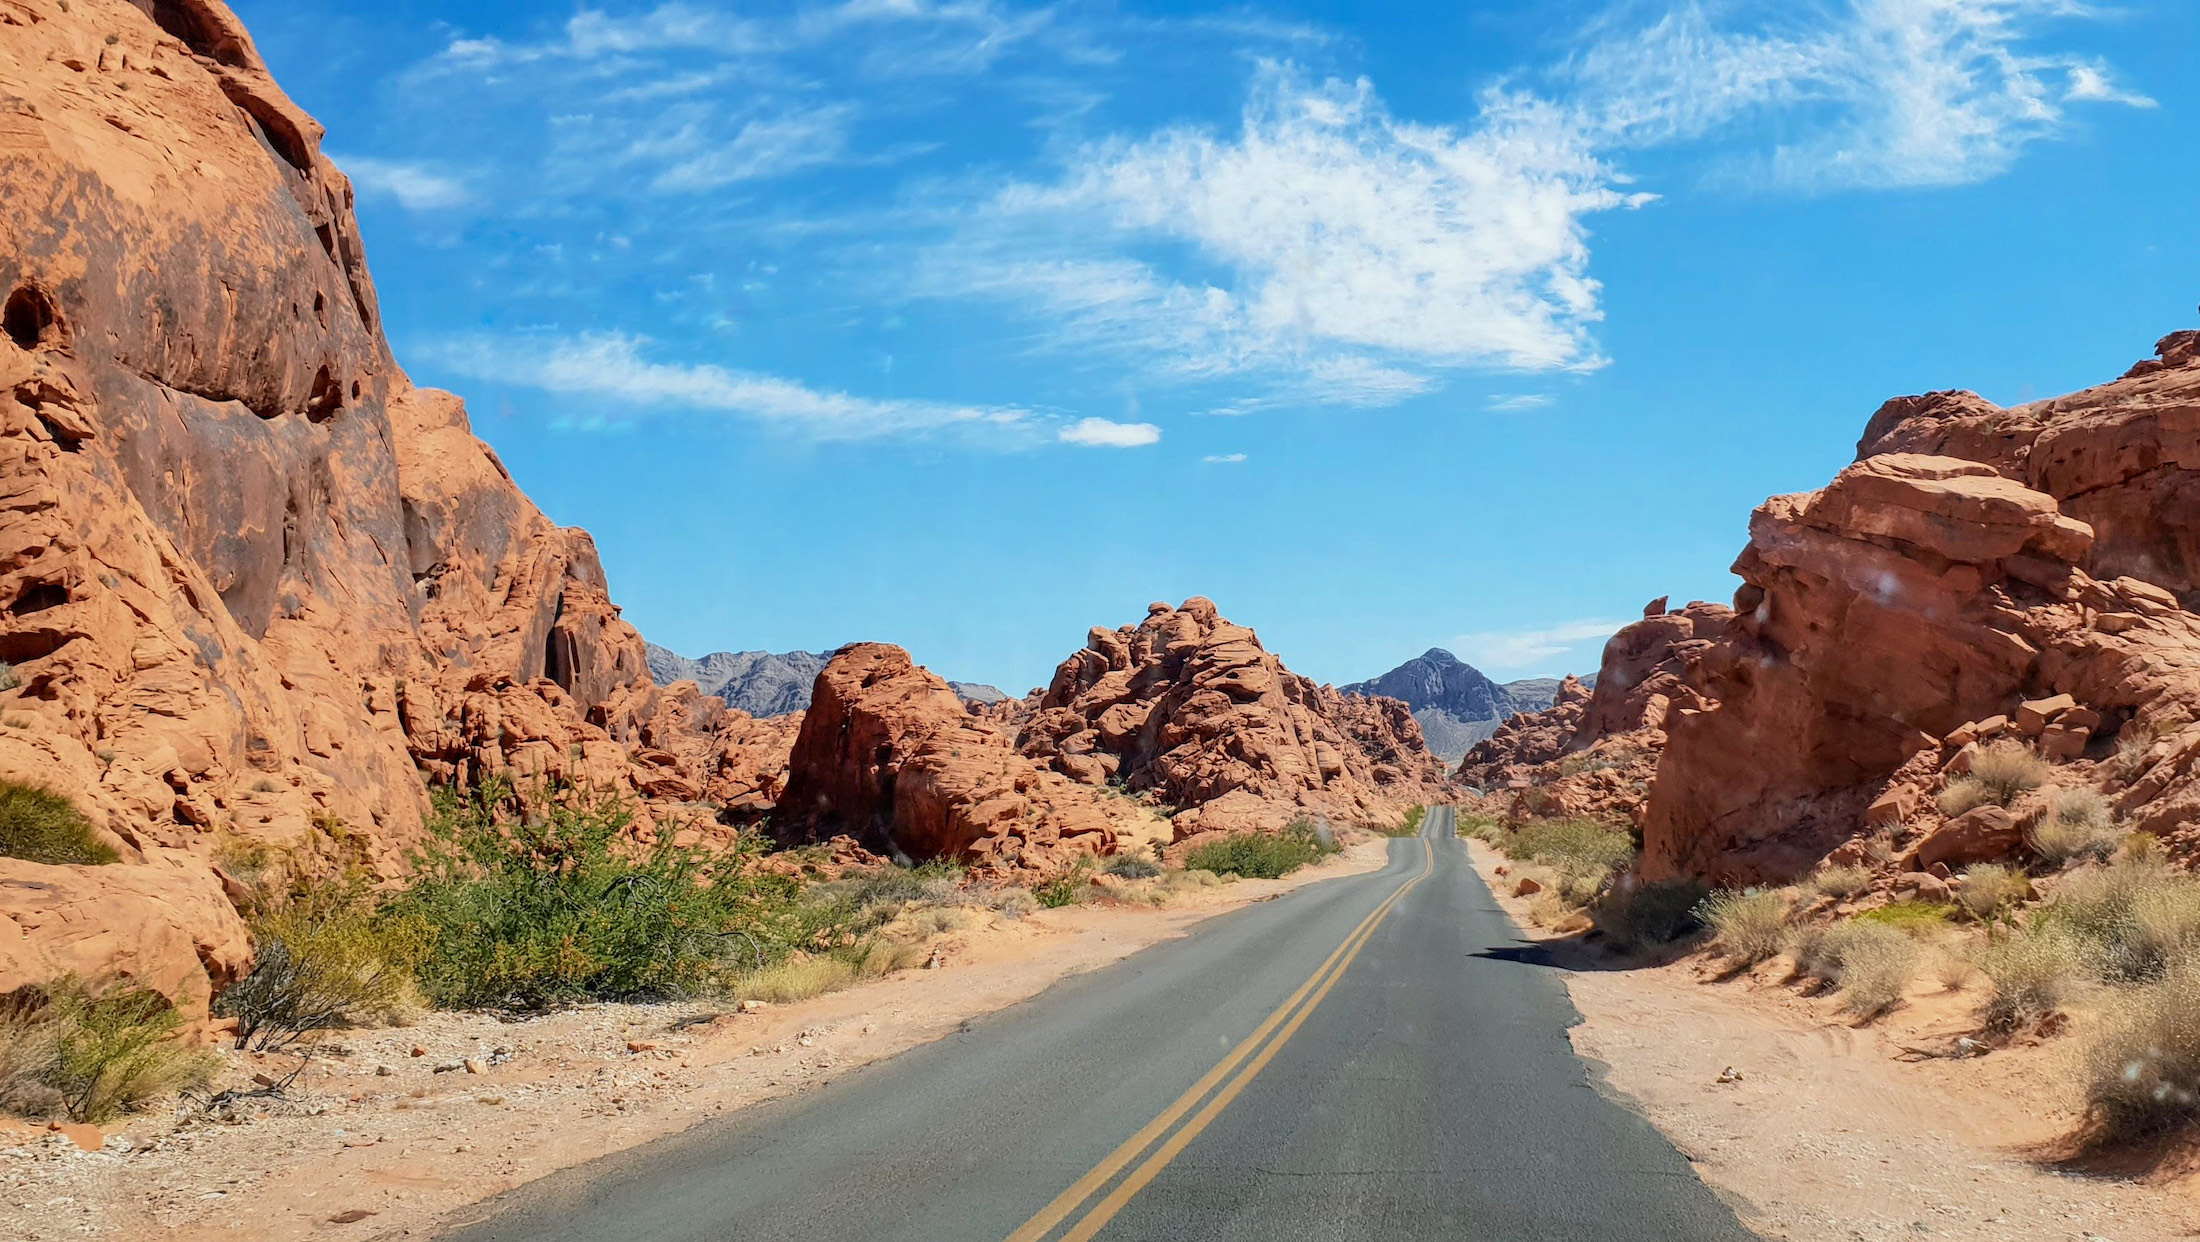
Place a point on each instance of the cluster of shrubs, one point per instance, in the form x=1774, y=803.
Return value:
x=1585, y=868
x=1263, y=855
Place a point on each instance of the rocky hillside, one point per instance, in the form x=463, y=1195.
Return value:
x=254, y=586
x=1193, y=709
x=1455, y=704
x=1978, y=573
x=764, y=683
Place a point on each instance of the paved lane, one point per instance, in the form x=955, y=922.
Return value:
x=1348, y=1061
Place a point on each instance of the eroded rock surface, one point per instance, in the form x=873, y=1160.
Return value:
x=253, y=584
x=1191, y=709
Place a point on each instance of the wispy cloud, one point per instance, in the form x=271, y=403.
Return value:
x=1514, y=650
x=414, y=186
x=1101, y=433
x=1223, y=459
x=1519, y=401
x=1838, y=94
x=612, y=366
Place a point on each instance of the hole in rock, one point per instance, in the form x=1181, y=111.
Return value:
x=38, y=598
x=201, y=31
x=327, y=397
x=31, y=318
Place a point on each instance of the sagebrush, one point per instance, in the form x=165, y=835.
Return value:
x=41, y=826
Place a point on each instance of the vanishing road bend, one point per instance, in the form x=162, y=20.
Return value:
x=1369, y=1057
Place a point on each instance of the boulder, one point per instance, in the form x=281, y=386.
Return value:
x=170, y=929
x=1890, y=808
x=1983, y=834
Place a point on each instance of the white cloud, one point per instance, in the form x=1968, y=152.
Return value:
x=769, y=146
x=1101, y=433
x=1519, y=649
x=1519, y=401
x=412, y=185
x=1351, y=252
x=1846, y=93
x=611, y=366
x=1223, y=459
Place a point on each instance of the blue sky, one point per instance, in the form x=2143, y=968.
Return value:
x=970, y=325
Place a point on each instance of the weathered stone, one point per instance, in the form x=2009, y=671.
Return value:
x=1984, y=834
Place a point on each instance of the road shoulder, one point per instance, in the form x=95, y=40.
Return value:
x=1813, y=1128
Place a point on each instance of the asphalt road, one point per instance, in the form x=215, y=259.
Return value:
x=1370, y=1057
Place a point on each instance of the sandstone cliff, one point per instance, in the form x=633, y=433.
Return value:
x=1192, y=709
x=253, y=584
x=1978, y=572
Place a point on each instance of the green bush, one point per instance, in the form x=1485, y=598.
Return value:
x=38, y=825
x=1411, y=826
x=1486, y=828
x=1572, y=846
x=1062, y=890
x=1132, y=867
x=554, y=903
x=1915, y=917
x=1748, y=927
x=325, y=961
x=93, y=1056
x=1261, y=855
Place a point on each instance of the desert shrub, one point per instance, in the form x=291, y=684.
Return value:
x=553, y=903
x=1132, y=867
x=2077, y=827
x=2008, y=769
x=1988, y=889
x=2033, y=972
x=1921, y=919
x=1575, y=846
x=1747, y=926
x=1548, y=908
x=1062, y=890
x=93, y=1055
x=2142, y=1065
x=2130, y=917
x=1410, y=826
x=1868, y=961
x=801, y=976
x=1839, y=882
x=1639, y=914
x=1965, y=793
x=1014, y=903
x=1261, y=855
x=325, y=961
x=38, y=825
x=1486, y=828
x=8, y=678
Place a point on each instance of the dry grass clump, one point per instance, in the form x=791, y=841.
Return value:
x=2077, y=827
x=804, y=975
x=1485, y=828
x=1549, y=908
x=1840, y=883
x=2142, y=1066
x=1869, y=962
x=1964, y=794
x=1581, y=852
x=92, y=1056
x=2009, y=769
x=1748, y=927
x=2034, y=972
x=1989, y=889
x=2132, y=917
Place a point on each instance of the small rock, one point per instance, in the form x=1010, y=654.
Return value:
x=352, y=1217
x=419, y=1051
x=383, y=1071
x=87, y=1138
x=450, y=1067
x=264, y=1078
x=1526, y=888
x=474, y=1066
x=754, y=1006
x=640, y=1045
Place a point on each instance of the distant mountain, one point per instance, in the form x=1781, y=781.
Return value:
x=1456, y=704
x=764, y=683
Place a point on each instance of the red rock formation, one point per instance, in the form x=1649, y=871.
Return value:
x=1193, y=709
x=249, y=576
x=890, y=754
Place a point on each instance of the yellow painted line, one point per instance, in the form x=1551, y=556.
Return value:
x=1063, y=1204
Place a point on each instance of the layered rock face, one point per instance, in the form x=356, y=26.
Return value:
x=890, y=754
x=252, y=582
x=1933, y=597
x=1192, y=708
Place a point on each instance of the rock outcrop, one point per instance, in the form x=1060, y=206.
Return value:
x=764, y=683
x=889, y=754
x=1192, y=710
x=252, y=583
x=1980, y=575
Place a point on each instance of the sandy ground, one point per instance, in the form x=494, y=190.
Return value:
x=1828, y=1131
x=399, y=1126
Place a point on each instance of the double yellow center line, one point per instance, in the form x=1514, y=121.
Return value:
x=1246, y=1060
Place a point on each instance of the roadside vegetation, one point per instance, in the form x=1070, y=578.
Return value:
x=1410, y=826
x=91, y=1056
x=1578, y=873
x=38, y=825
x=1263, y=855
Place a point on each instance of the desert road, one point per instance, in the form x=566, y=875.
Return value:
x=1370, y=1057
